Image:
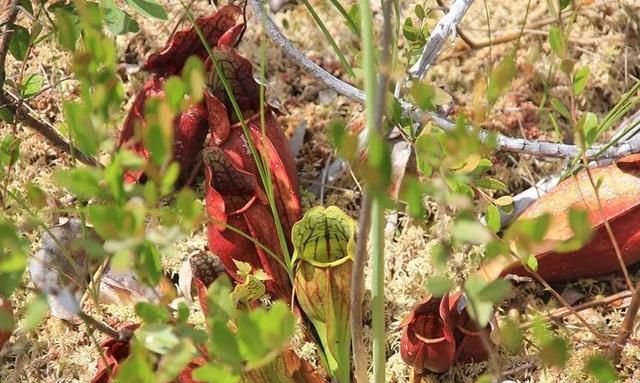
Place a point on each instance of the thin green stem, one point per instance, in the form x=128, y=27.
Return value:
x=352, y=24
x=332, y=42
x=374, y=96
x=377, y=291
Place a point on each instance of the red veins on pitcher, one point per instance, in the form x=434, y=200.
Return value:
x=190, y=127
x=235, y=194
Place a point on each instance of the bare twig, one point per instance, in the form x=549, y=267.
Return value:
x=507, y=144
x=7, y=21
x=627, y=327
x=25, y=114
x=562, y=312
x=357, y=292
x=445, y=28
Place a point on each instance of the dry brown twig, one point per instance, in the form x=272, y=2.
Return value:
x=562, y=312
x=20, y=110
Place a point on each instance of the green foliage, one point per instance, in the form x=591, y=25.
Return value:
x=13, y=257
x=511, y=337
x=582, y=230
x=148, y=8
x=553, y=350
x=557, y=42
x=118, y=21
x=19, y=43
x=36, y=311
x=601, y=368
x=439, y=285
x=500, y=78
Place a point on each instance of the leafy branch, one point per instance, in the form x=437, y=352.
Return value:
x=19, y=110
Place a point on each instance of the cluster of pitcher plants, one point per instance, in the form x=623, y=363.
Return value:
x=287, y=274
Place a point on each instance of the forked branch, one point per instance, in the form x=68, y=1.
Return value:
x=507, y=144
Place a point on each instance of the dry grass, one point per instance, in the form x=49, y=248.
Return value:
x=604, y=38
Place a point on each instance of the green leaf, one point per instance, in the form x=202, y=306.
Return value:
x=439, y=256
x=495, y=292
x=182, y=313
x=7, y=321
x=485, y=378
x=175, y=91
x=589, y=124
x=504, y=201
x=81, y=125
x=118, y=21
x=26, y=4
x=566, y=66
x=188, y=207
x=84, y=183
x=469, y=231
x=601, y=368
x=439, y=285
x=214, y=373
x=532, y=262
x=152, y=313
x=494, y=248
x=224, y=345
x=554, y=352
x=169, y=178
x=13, y=258
x=511, y=337
x=19, y=43
x=157, y=337
x=345, y=142
x=175, y=360
x=429, y=151
x=419, y=11
x=32, y=85
x=557, y=43
x=413, y=194
x=149, y=8
x=113, y=176
x=221, y=305
x=6, y=115
x=36, y=311
x=534, y=228
x=159, y=132
x=580, y=80
x=479, y=310
x=491, y=184
x=501, y=77
x=582, y=231
x=423, y=95
x=493, y=218
x=36, y=196
x=194, y=78
x=560, y=108
x=137, y=367
x=9, y=150
x=409, y=31
x=564, y=3
x=262, y=334
x=68, y=30
x=150, y=270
